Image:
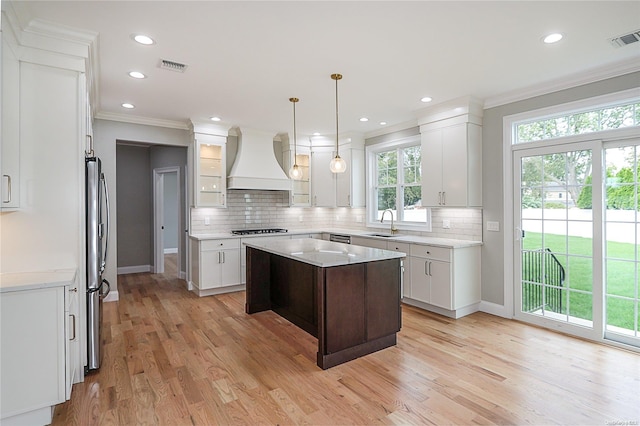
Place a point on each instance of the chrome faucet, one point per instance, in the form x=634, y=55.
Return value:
x=393, y=228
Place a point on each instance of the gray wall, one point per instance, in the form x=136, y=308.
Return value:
x=134, y=213
x=134, y=171
x=493, y=279
x=105, y=135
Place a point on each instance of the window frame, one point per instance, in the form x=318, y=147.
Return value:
x=372, y=184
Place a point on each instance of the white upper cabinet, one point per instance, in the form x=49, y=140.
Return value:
x=210, y=170
x=10, y=191
x=338, y=189
x=452, y=158
x=350, y=185
x=300, y=195
x=323, y=182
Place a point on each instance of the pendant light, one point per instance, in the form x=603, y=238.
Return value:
x=295, y=172
x=337, y=165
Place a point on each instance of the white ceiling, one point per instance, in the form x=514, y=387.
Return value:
x=245, y=59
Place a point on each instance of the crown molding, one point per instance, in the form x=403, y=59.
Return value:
x=589, y=76
x=147, y=121
x=391, y=129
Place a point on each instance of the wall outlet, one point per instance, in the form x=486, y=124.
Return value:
x=446, y=223
x=337, y=218
x=207, y=220
x=300, y=218
x=359, y=219
x=493, y=226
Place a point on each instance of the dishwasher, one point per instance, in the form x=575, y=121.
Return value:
x=339, y=238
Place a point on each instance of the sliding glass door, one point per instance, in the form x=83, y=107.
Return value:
x=622, y=231
x=577, y=256
x=556, y=245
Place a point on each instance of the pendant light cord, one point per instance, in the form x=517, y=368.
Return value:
x=338, y=76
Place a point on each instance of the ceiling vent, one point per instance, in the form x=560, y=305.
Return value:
x=172, y=65
x=626, y=39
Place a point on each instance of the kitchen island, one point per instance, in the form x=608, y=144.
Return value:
x=346, y=296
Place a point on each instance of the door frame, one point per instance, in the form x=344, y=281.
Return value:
x=595, y=332
x=158, y=219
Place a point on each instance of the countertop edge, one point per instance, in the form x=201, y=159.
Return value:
x=403, y=238
x=381, y=253
x=20, y=281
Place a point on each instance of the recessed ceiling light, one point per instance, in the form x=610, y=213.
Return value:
x=426, y=99
x=137, y=74
x=364, y=119
x=382, y=123
x=215, y=119
x=128, y=106
x=552, y=38
x=143, y=39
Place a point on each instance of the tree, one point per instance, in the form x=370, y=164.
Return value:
x=569, y=170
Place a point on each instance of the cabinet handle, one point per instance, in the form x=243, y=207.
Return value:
x=222, y=256
x=219, y=257
x=73, y=322
x=430, y=269
x=444, y=198
x=8, y=200
x=425, y=267
x=222, y=199
x=75, y=290
x=349, y=200
x=315, y=200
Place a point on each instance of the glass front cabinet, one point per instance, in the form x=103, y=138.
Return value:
x=301, y=192
x=210, y=170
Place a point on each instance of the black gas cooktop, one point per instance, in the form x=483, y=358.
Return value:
x=258, y=231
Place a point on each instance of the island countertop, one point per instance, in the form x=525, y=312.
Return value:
x=324, y=253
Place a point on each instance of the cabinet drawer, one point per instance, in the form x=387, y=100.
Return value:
x=431, y=252
x=401, y=247
x=220, y=244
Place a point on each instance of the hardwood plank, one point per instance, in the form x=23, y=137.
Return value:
x=172, y=358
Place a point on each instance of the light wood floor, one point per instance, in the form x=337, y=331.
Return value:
x=175, y=359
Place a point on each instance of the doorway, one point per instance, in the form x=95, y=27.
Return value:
x=166, y=221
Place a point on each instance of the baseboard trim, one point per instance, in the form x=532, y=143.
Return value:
x=171, y=250
x=134, y=269
x=495, y=309
x=113, y=296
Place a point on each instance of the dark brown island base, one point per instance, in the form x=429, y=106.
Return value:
x=346, y=296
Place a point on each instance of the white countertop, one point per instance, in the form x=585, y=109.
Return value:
x=401, y=238
x=18, y=281
x=324, y=253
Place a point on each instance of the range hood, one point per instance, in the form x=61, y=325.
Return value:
x=256, y=166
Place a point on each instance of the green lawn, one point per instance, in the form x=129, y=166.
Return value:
x=574, y=254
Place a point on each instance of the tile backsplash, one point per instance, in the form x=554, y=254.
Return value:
x=270, y=209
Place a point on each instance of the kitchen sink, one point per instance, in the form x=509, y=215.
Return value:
x=383, y=235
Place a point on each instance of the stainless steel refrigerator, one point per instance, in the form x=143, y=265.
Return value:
x=97, y=219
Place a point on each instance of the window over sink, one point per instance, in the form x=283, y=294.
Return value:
x=395, y=183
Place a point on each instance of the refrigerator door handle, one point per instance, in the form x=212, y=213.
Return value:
x=106, y=241
x=105, y=294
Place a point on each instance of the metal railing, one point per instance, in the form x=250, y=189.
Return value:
x=542, y=281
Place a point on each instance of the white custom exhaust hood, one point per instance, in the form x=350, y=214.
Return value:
x=255, y=166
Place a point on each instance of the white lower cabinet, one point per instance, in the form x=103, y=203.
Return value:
x=406, y=265
x=39, y=352
x=445, y=280
x=215, y=265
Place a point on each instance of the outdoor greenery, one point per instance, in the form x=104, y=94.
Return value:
x=622, y=281
x=404, y=183
x=613, y=117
